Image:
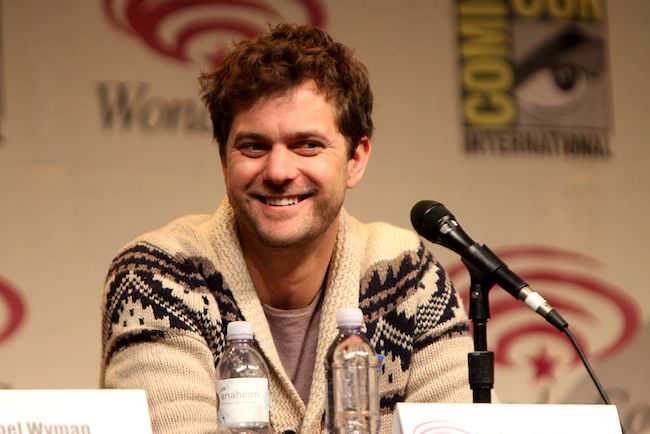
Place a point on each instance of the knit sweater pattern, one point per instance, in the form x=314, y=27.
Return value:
x=170, y=294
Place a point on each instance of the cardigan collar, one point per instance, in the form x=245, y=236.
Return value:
x=341, y=290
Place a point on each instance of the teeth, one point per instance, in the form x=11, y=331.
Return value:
x=281, y=201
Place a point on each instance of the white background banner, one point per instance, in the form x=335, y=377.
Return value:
x=104, y=138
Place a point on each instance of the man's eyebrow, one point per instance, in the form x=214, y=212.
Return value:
x=240, y=137
x=294, y=137
x=309, y=134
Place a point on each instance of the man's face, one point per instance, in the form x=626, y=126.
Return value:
x=286, y=168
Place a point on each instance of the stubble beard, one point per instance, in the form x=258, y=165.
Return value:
x=310, y=228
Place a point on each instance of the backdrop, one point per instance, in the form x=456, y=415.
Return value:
x=104, y=137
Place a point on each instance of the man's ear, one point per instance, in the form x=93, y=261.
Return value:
x=222, y=159
x=223, y=156
x=358, y=162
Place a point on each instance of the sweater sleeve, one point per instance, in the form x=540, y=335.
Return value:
x=161, y=332
x=177, y=376
x=439, y=365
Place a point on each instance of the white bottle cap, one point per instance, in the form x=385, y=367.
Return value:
x=349, y=317
x=239, y=330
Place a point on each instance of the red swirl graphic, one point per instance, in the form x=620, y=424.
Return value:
x=16, y=309
x=149, y=19
x=543, y=276
x=439, y=427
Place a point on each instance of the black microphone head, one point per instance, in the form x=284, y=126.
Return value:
x=425, y=216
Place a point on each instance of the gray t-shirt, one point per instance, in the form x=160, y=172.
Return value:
x=295, y=334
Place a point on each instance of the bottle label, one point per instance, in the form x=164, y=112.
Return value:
x=243, y=401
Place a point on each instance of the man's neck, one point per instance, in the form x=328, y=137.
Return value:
x=289, y=278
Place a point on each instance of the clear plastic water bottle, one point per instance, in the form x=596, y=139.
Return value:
x=352, y=374
x=242, y=384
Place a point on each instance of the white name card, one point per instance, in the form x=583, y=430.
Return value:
x=505, y=419
x=74, y=412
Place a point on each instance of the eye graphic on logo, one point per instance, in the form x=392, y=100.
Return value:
x=562, y=76
x=14, y=310
x=440, y=427
x=602, y=317
x=202, y=31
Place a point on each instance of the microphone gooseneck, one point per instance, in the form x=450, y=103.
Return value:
x=433, y=221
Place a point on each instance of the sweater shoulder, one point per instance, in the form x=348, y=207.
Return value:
x=381, y=242
x=174, y=246
x=400, y=274
x=184, y=236
x=164, y=283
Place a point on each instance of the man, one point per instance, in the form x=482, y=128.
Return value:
x=291, y=111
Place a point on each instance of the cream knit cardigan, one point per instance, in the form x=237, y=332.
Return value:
x=170, y=294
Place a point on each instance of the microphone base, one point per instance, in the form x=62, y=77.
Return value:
x=481, y=375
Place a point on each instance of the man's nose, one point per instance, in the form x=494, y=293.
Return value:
x=281, y=165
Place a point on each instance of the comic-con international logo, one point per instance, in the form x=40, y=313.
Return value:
x=202, y=31
x=12, y=310
x=533, y=360
x=534, y=77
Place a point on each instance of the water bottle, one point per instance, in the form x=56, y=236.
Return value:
x=242, y=384
x=352, y=372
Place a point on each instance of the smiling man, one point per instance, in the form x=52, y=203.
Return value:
x=291, y=112
x=286, y=167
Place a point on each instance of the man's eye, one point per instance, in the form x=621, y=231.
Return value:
x=309, y=148
x=252, y=149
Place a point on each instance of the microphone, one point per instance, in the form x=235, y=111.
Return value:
x=435, y=223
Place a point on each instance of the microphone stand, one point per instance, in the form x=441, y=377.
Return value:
x=480, y=361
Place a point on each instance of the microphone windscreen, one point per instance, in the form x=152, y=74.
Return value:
x=425, y=216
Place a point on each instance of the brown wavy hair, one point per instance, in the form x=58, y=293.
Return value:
x=284, y=58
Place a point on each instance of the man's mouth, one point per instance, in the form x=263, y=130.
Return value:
x=282, y=200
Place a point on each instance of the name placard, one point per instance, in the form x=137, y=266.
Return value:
x=74, y=412
x=505, y=419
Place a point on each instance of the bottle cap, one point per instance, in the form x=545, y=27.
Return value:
x=239, y=330
x=349, y=317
